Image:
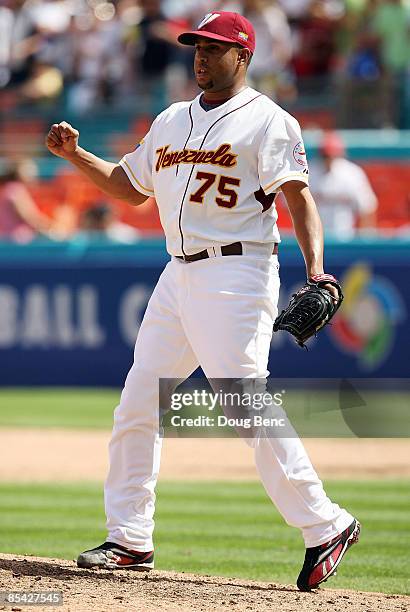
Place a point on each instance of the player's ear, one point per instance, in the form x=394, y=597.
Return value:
x=243, y=56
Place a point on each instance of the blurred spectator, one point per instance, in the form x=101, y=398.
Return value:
x=191, y=10
x=391, y=24
x=363, y=70
x=37, y=35
x=99, y=221
x=342, y=192
x=364, y=60
x=315, y=45
x=295, y=9
x=45, y=84
x=96, y=54
x=20, y=218
x=354, y=19
x=6, y=28
x=152, y=48
x=269, y=70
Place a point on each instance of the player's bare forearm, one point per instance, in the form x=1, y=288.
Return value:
x=307, y=225
x=109, y=177
x=62, y=141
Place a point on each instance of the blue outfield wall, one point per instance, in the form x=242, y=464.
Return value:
x=69, y=313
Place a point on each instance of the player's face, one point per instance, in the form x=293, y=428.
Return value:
x=216, y=64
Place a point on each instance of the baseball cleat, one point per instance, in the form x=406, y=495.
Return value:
x=322, y=561
x=113, y=556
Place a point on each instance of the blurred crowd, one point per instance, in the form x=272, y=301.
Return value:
x=22, y=219
x=88, y=52
x=345, y=198
x=82, y=55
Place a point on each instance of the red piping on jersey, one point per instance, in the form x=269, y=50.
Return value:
x=188, y=137
x=193, y=165
x=186, y=186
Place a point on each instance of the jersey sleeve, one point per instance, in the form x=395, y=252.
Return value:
x=282, y=155
x=137, y=165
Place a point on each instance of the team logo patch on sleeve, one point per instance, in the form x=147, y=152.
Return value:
x=299, y=154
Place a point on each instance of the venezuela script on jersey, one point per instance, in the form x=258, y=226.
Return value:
x=222, y=156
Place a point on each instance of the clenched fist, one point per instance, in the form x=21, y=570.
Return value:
x=62, y=139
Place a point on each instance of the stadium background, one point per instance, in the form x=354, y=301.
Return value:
x=71, y=302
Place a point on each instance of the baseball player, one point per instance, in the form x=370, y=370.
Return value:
x=214, y=165
x=341, y=190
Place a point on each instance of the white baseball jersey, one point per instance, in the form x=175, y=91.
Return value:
x=342, y=193
x=215, y=173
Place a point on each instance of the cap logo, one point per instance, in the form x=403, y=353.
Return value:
x=207, y=19
x=243, y=36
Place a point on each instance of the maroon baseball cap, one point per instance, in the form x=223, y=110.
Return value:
x=225, y=26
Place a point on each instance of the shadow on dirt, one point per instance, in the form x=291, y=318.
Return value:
x=60, y=571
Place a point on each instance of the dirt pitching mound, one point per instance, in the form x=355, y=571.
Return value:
x=103, y=591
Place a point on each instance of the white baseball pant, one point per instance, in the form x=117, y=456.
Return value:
x=217, y=313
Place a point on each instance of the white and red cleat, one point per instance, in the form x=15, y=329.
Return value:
x=322, y=561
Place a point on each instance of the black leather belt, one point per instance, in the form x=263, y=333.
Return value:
x=230, y=249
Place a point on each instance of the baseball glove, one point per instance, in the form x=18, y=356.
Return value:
x=310, y=308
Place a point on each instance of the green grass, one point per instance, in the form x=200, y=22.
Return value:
x=313, y=413
x=65, y=408
x=228, y=529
